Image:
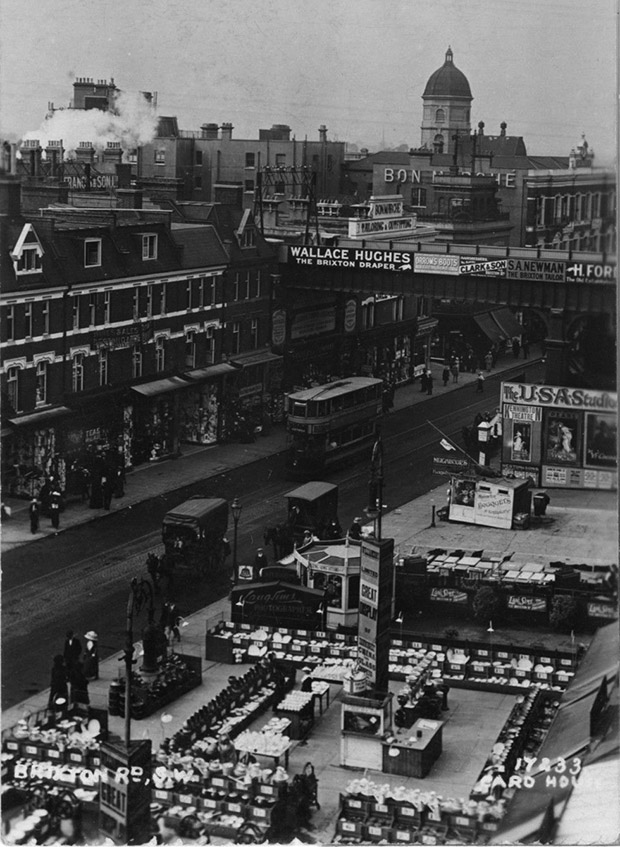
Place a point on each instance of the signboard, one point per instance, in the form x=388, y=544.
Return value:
x=125, y=792
x=602, y=610
x=315, y=322
x=383, y=226
x=543, y=270
x=494, y=506
x=527, y=603
x=358, y=258
x=601, y=441
x=586, y=272
x=555, y=477
x=278, y=604
x=121, y=336
x=350, y=315
x=430, y=263
x=520, y=472
x=561, y=397
x=448, y=595
x=374, y=620
x=479, y=266
x=449, y=466
x=278, y=328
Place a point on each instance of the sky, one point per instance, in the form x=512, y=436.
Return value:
x=546, y=67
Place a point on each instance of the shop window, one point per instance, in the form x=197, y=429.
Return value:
x=254, y=332
x=136, y=361
x=236, y=338
x=28, y=320
x=160, y=354
x=190, y=349
x=92, y=253
x=103, y=366
x=10, y=323
x=250, y=160
x=12, y=387
x=149, y=246
x=77, y=372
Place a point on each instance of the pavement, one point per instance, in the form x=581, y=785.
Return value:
x=582, y=526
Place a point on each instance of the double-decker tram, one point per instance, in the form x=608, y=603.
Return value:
x=328, y=424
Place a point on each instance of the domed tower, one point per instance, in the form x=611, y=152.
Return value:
x=447, y=99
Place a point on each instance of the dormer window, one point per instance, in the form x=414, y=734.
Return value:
x=149, y=246
x=248, y=238
x=27, y=254
x=92, y=253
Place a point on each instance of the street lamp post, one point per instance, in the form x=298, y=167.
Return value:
x=375, y=487
x=241, y=604
x=490, y=630
x=399, y=620
x=235, y=508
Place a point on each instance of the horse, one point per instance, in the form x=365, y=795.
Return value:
x=281, y=537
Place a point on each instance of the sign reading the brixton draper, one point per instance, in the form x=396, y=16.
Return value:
x=376, y=563
x=350, y=257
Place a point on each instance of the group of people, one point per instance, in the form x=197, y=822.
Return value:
x=71, y=671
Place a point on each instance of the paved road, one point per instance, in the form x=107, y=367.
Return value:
x=79, y=579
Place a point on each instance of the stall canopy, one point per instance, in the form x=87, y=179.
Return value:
x=507, y=323
x=490, y=328
x=211, y=372
x=569, y=735
x=160, y=386
x=40, y=417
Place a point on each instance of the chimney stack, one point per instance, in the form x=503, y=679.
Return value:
x=323, y=133
x=209, y=131
x=113, y=152
x=31, y=152
x=129, y=198
x=10, y=196
x=502, y=128
x=85, y=153
x=54, y=155
x=480, y=127
x=227, y=129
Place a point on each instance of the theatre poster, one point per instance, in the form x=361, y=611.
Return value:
x=559, y=437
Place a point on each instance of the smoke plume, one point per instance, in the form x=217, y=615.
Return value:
x=132, y=122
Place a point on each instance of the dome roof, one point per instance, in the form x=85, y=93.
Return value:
x=448, y=81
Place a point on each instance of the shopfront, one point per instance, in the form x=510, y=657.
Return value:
x=200, y=404
x=156, y=419
x=31, y=451
x=560, y=437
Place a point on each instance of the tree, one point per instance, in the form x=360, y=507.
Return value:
x=564, y=613
x=486, y=604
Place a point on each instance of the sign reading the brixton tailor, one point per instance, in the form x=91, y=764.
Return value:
x=359, y=258
x=373, y=640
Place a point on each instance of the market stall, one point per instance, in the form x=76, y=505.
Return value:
x=415, y=752
x=489, y=502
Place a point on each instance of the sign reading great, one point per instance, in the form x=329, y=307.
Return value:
x=351, y=257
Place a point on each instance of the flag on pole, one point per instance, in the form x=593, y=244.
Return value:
x=446, y=444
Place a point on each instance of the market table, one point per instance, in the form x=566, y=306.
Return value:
x=275, y=757
x=321, y=693
x=417, y=752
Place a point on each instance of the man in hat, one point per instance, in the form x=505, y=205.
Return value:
x=55, y=509
x=355, y=530
x=34, y=512
x=260, y=561
x=91, y=655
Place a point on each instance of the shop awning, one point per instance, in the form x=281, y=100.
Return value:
x=160, y=386
x=489, y=327
x=507, y=323
x=40, y=417
x=211, y=372
x=256, y=358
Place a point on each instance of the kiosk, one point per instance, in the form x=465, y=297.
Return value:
x=489, y=502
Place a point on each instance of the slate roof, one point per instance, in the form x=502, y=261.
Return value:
x=201, y=245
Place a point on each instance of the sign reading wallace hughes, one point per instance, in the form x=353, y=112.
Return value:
x=279, y=604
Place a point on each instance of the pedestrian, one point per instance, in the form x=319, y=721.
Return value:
x=170, y=619
x=107, y=487
x=55, y=509
x=59, y=691
x=260, y=561
x=445, y=376
x=333, y=531
x=355, y=530
x=91, y=655
x=152, y=566
x=516, y=347
x=72, y=650
x=488, y=360
x=455, y=371
x=35, y=513
x=429, y=382
x=480, y=383
x=423, y=382
x=80, y=699
x=306, y=682
x=526, y=349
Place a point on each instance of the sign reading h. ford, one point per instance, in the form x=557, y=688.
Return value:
x=351, y=257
